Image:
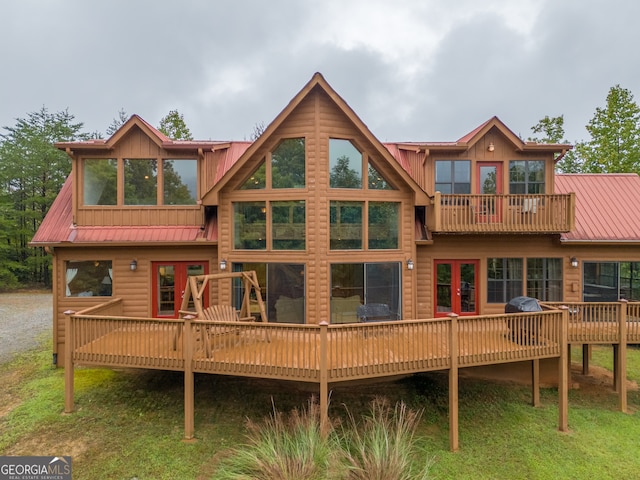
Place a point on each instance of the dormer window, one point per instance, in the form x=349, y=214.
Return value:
x=146, y=181
x=140, y=181
x=100, y=181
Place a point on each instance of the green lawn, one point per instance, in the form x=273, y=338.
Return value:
x=129, y=424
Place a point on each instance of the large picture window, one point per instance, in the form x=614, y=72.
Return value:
x=383, y=225
x=250, y=225
x=141, y=177
x=610, y=281
x=288, y=225
x=345, y=225
x=504, y=279
x=89, y=278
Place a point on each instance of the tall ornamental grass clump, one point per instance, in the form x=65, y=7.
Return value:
x=382, y=446
x=284, y=448
x=379, y=447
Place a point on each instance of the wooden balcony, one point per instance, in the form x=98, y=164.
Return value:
x=501, y=213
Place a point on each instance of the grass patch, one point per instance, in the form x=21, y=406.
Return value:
x=129, y=423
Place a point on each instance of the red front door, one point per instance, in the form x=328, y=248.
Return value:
x=456, y=287
x=169, y=281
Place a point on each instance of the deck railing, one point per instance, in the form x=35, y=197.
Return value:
x=602, y=322
x=295, y=352
x=451, y=213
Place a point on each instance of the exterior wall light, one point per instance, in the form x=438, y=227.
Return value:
x=491, y=147
x=133, y=265
x=223, y=264
x=574, y=262
x=410, y=264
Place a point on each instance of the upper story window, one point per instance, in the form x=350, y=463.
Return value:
x=345, y=164
x=526, y=176
x=287, y=167
x=288, y=164
x=147, y=181
x=180, y=181
x=140, y=181
x=453, y=176
x=100, y=182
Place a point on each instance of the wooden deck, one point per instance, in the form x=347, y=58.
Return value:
x=326, y=354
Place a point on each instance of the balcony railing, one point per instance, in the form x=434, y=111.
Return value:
x=501, y=213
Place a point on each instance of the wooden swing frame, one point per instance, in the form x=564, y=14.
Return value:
x=197, y=285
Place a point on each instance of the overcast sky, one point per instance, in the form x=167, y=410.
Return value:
x=413, y=70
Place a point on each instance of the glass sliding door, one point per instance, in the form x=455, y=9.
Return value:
x=355, y=284
x=282, y=289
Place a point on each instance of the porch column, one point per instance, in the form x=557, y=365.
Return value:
x=535, y=382
x=324, y=380
x=586, y=356
x=68, y=362
x=563, y=373
x=621, y=375
x=187, y=354
x=453, y=383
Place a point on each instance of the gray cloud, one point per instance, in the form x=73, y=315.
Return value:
x=412, y=70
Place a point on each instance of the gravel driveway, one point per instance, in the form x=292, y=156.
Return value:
x=25, y=319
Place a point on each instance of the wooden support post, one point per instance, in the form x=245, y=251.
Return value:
x=453, y=383
x=68, y=362
x=187, y=343
x=621, y=376
x=324, y=383
x=569, y=364
x=586, y=356
x=535, y=382
x=563, y=374
x=616, y=367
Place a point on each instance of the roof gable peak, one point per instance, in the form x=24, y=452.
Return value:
x=480, y=131
x=136, y=121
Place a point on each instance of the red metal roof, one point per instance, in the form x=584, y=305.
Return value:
x=606, y=206
x=229, y=156
x=59, y=219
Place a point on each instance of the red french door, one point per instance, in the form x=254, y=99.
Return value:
x=456, y=287
x=169, y=282
x=489, y=208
